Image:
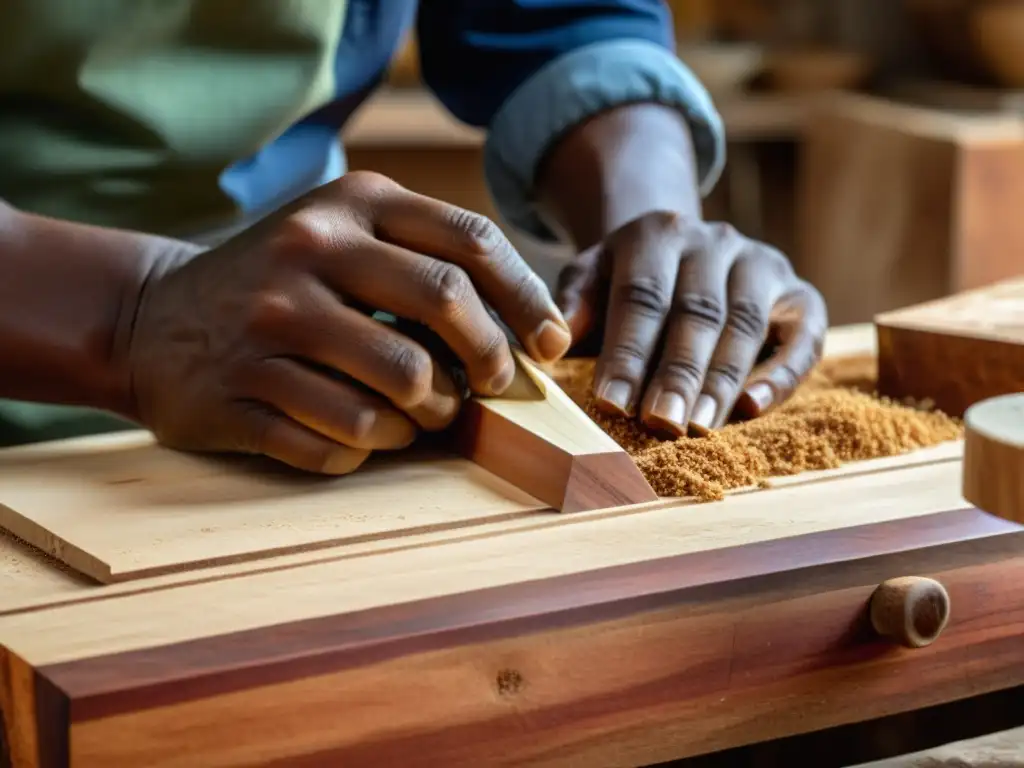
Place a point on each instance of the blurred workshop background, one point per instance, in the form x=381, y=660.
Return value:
x=879, y=143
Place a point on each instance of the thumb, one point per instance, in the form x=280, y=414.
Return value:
x=577, y=295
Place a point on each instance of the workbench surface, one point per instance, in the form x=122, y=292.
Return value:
x=619, y=637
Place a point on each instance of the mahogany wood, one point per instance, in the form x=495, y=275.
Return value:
x=619, y=666
x=957, y=350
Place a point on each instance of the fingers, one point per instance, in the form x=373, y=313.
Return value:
x=437, y=294
x=578, y=294
x=753, y=291
x=699, y=313
x=315, y=326
x=495, y=268
x=335, y=409
x=262, y=430
x=801, y=321
x=639, y=299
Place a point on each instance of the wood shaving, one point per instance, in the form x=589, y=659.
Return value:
x=833, y=418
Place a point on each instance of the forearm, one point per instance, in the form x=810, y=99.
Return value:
x=67, y=296
x=617, y=166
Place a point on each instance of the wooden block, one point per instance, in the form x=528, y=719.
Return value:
x=955, y=351
x=993, y=472
x=538, y=439
x=119, y=507
x=900, y=205
x=602, y=639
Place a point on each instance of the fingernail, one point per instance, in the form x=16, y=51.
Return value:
x=618, y=393
x=704, y=412
x=761, y=394
x=501, y=380
x=550, y=341
x=670, y=408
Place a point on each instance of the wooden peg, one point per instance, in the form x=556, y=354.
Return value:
x=910, y=610
x=535, y=437
x=994, y=456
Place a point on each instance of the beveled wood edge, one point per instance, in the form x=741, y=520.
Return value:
x=102, y=686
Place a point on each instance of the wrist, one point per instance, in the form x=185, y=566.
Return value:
x=67, y=299
x=620, y=165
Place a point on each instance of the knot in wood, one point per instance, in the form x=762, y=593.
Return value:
x=509, y=682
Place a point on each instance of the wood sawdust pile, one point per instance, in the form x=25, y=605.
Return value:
x=835, y=417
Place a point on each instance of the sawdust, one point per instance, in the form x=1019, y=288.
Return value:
x=835, y=417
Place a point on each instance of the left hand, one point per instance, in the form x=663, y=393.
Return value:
x=688, y=308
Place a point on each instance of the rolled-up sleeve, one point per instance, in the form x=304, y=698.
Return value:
x=529, y=70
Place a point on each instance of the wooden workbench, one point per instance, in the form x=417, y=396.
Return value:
x=614, y=638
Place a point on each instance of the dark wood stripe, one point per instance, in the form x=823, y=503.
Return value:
x=5, y=751
x=789, y=567
x=53, y=722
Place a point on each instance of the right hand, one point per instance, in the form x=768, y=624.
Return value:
x=265, y=344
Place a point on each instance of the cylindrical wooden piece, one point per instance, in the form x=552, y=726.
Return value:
x=910, y=610
x=993, y=479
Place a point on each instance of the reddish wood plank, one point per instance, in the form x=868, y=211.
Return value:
x=272, y=654
x=654, y=645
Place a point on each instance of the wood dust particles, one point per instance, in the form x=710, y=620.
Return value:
x=833, y=418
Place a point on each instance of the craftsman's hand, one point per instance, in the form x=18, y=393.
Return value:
x=266, y=344
x=686, y=309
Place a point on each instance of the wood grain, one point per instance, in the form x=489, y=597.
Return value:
x=899, y=205
x=957, y=350
x=29, y=582
x=619, y=666
x=120, y=507
x=142, y=617
x=539, y=440
x=993, y=468
x=614, y=637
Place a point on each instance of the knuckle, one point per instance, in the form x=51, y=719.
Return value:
x=702, y=308
x=414, y=372
x=748, y=318
x=365, y=184
x=787, y=377
x=647, y=296
x=725, y=375
x=271, y=310
x=780, y=265
x=300, y=234
x=480, y=235
x=681, y=375
x=492, y=353
x=626, y=360
x=451, y=289
x=721, y=231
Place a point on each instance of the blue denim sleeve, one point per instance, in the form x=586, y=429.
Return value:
x=529, y=70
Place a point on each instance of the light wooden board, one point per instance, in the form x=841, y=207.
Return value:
x=29, y=580
x=118, y=506
x=26, y=576
x=350, y=582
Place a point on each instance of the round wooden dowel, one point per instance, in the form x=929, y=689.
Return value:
x=993, y=470
x=910, y=610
